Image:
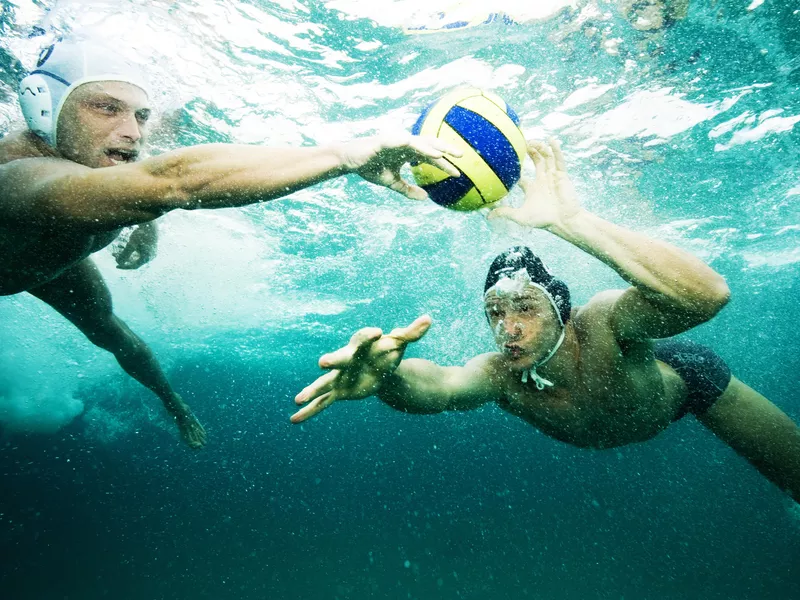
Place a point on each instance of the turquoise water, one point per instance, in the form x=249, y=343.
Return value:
x=687, y=132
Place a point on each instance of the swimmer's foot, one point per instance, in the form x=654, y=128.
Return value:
x=192, y=432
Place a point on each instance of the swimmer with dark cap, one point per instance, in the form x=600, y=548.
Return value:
x=606, y=374
x=78, y=174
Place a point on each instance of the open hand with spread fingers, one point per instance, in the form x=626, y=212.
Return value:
x=359, y=369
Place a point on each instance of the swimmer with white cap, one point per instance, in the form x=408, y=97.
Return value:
x=595, y=376
x=76, y=175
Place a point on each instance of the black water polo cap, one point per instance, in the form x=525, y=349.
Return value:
x=522, y=257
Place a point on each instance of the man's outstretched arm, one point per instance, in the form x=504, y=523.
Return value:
x=55, y=192
x=672, y=291
x=422, y=387
x=371, y=365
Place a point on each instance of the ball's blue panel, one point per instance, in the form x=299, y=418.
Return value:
x=493, y=108
x=449, y=191
x=472, y=165
x=488, y=141
x=513, y=115
x=418, y=125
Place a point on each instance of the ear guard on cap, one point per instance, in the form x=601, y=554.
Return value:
x=36, y=102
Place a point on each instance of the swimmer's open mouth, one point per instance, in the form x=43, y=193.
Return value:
x=513, y=351
x=120, y=156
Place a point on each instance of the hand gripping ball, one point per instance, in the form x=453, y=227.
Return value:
x=486, y=130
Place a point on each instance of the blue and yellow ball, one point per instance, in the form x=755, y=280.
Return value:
x=486, y=130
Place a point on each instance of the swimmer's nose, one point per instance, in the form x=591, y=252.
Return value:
x=129, y=129
x=512, y=329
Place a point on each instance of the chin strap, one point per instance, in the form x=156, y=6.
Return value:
x=540, y=381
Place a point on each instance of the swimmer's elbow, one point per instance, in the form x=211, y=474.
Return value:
x=723, y=294
x=717, y=295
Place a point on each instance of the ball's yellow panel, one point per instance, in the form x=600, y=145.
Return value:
x=496, y=99
x=426, y=174
x=437, y=113
x=520, y=147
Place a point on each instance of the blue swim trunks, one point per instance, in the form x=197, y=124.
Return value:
x=703, y=371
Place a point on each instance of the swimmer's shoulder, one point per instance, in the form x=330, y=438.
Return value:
x=594, y=325
x=592, y=321
x=597, y=310
x=25, y=159
x=486, y=366
x=493, y=367
x=23, y=163
x=16, y=146
x=24, y=145
x=488, y=361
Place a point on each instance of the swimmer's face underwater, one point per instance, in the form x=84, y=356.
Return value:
x=103, y=124
x=524, y=321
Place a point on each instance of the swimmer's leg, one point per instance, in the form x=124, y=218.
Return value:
x=760, y=432
x=81, y=295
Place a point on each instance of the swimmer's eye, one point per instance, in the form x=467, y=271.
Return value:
x=142, y=116
x=107, y=108
x=528, y=309
x=523, y=308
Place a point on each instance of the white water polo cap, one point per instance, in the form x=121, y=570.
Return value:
x=63, y=67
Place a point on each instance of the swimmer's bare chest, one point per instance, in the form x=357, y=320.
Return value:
x=31, y=257
x=616, y=401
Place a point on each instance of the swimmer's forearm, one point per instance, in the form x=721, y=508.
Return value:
x=416, y=387
x=229, y=175
x=422, y=387
x=662, y=271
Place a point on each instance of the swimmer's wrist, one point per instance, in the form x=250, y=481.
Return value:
x=572, y=226
x=344, y=162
